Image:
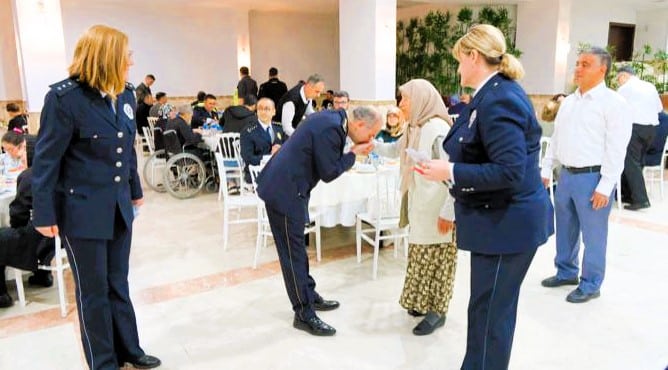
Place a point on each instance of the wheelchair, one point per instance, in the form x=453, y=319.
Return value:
x=155, y=164
x=185, y=174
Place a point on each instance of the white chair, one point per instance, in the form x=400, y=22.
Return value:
x=544, y=145
x=151, y=123
x=382, y=216
x=264, y=229
x=228, y=144
x=654, y=174
x=148, y=139
x=232, y=202
x=61, y=263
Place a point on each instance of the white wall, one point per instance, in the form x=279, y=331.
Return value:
x=187, y=48
x=652, y=29
x=10, y=81
x=298, y=44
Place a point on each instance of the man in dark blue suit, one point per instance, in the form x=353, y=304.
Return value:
x=655, y=150
x=86, y=189
x=262, y=137
x=313, y=153
x=502, y=210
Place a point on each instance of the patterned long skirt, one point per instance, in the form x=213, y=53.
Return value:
x=430, y=277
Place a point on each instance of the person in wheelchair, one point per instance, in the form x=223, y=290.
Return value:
x=190, y=138
x=21, y=246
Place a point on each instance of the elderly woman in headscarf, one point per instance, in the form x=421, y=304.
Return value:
x=428, y=208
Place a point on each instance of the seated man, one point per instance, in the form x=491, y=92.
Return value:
x=262, y=137
x=189, y=137
x=205, y=114
x=13, y=160
x=21, y=246
x=237, y=117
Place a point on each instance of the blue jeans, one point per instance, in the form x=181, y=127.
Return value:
x=574, y=214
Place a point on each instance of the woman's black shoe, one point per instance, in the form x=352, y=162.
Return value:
x=415, y=313
x=430, y=323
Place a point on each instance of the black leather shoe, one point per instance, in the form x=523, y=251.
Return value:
x=430, y=323
x=578, y=296
x=553, y=282
x=145, y=362
x=415, y=313
x=314, y=326
x=636, y=206
x=324, y=305
x=41, y=279
x=6, y=301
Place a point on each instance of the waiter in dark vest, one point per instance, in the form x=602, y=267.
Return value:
x=313, y=153
x=297, y=103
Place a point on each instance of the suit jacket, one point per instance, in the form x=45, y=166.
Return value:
x=313, y=153
x=273, y=89
x=655, y=150
x=85, y=164
x=142, y=90
x=501, y=205
x=183, y=131
x=255, y=143
x=200, y=116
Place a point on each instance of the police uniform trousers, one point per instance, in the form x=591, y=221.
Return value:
x=106, y=316
x=492, y=312
x=633, y=182
x=288, y=232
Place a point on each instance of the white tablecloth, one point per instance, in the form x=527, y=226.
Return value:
x=6, y=197
x=339, y=201
x=211, y=141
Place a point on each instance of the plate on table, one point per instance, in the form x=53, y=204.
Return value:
x=364, y=168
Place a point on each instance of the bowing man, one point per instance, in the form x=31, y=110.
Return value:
x=263, y=137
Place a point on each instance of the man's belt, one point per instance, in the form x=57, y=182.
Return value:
x=577, y=170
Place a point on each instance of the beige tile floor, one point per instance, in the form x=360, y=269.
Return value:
x=199, y=307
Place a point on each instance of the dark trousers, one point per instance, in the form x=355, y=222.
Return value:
x=633, y=182
x=495, y=289
x=288, y=234
x=106, y=316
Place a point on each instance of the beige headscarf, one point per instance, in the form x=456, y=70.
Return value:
x=425, y=103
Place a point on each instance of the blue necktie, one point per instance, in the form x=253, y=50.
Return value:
x=271, y=139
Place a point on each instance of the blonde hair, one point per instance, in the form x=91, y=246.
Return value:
x=101, y=58
x=490, y=42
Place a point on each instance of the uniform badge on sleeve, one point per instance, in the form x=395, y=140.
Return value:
x=472, y=118
x=128, y=111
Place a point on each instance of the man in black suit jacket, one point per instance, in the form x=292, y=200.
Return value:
x=313, y=153
x=274, y=88
x=262, y=137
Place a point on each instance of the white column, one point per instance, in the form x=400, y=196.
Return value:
x=367, y=48
x=40, y=48
x=543, y=31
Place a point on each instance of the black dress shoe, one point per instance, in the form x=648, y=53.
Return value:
x=415, y=313
x=314, y=326
x=145, y=362
x=578, y=296
x=6, y=301
x=636, y=206
x=42, y=279
x=430, y=323
x=553, y=282
x=324, y=305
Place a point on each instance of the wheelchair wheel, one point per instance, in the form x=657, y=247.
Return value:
x=184, y=175
x=153, y=171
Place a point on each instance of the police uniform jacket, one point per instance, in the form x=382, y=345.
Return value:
x=313, y=153
x=85, y=164
x=256, y=142
x=501, y=205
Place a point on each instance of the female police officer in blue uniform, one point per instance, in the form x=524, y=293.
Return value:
x=85, y=184
x=502, y=210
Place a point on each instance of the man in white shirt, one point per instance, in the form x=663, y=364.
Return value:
x=591, y=133
x=645, y=107
x=296, y=104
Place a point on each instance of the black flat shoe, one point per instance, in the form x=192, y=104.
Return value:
x=430, y=323
x=578, y=296
x=415, y=313
x=6, y=301
x=145, y=362
x=41, y=279
x=325, y=305
x=314, y=326
x=553, y=282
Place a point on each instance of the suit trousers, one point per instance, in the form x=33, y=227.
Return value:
x=633, y=182
x=574, y=214
x=288, y=232
x=106, y=316
x=492, y=311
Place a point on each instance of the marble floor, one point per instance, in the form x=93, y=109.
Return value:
x=199, y=307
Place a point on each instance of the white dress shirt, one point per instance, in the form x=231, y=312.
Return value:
x=288, y=112
x=643, y=99
x=266, y=126
x=591, y=129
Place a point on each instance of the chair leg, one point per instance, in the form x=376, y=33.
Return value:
x=258, y=245
x=376, y=246
x=18, y=277
x=226, y=225
x=358, y=239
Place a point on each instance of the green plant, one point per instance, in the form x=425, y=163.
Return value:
x=661, y=65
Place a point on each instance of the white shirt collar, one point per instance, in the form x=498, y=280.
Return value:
x=592, y=92
x=264, y=125
x=484, y=82
x=303, y=95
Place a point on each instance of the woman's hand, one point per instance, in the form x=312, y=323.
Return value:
x=434, y=170
x=445, y=226
x=48, y=231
